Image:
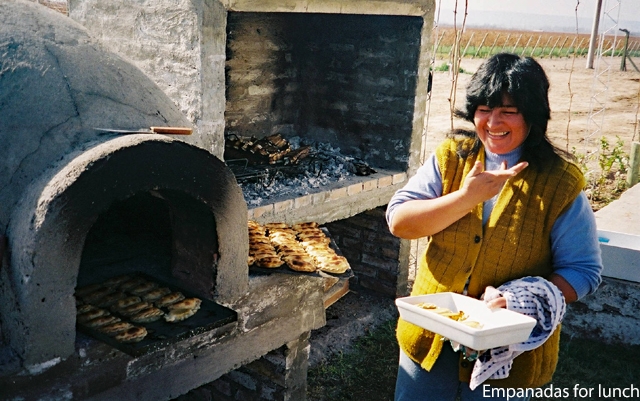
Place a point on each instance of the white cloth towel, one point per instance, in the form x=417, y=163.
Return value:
x=531, y=296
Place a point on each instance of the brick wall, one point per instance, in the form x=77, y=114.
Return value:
x=378, y=259
x=348, y=80
x=280, y=375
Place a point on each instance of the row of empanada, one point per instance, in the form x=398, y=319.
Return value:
x=302, y=247
x=115, y=306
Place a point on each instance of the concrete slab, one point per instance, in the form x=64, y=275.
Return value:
x=623, y=214
x=610, y=314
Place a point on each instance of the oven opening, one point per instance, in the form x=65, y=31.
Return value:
x=163, y=234
x=133, y=235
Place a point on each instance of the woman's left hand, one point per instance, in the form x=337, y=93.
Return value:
x=495, y=298
x=500, y=302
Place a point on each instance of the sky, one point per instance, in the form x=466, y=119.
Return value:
x=546, y=15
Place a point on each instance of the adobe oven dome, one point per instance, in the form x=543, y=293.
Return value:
x=58, y=175
x=56, y=85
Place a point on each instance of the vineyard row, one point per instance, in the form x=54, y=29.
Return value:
x=482, y=43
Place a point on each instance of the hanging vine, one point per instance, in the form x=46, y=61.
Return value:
x=456, y=57
x=573, y=62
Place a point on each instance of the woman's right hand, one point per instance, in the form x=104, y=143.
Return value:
x=483, y=185
x=424, y=217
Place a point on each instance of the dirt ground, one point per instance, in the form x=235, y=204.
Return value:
x=612, y=99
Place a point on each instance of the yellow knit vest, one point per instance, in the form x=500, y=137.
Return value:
x=515, y=242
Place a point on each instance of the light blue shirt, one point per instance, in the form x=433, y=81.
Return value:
x=574, y=239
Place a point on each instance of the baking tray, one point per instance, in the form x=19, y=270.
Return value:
x=285, y=269
x=161, y=334
x=500, y=326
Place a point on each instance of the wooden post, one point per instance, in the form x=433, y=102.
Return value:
x=580, y=47
x=516, y=45
x=493, y=45
x=546, y=46
x=480, y=46
x=506, y=42
x=634, y=164
x=554, y=47
x=525, y=46
x=535, y=46
x=464, y=52
x=573, y=49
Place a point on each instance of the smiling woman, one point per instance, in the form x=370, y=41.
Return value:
x=499, y=203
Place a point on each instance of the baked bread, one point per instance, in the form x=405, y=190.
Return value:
x=92, y=314
x=116, y=281
x=178, y=315
x=302, y=226
x=276, y=226
x=102, y=321
x=183, y=310
x=132, y=335
x=262, y=249
x=143, y=288
x=134, y=309
x=169, y=299
x=84, y=308
x=115, y=328
x=323, y=239
x=269, y=261
x=300, y=263
x=147, y=315
x=254, y=225
x=333, y=264
x=98, y=294
x=109, y=300
x=156, y=294
x=125, y=303
x=131, y=283
x=187, y=303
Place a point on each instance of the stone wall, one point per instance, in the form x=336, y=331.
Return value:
x=347, y=80
x=179, y=44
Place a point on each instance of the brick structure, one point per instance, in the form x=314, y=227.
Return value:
x=279, y=375
x=379, y=260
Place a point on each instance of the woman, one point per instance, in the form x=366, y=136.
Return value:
x=499, y=204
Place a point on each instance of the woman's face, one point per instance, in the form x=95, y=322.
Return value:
x=501, y=129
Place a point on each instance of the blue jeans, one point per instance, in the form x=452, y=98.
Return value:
x=441, y=384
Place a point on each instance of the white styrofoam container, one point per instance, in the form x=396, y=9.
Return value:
x=620, y=255
x=499, y=326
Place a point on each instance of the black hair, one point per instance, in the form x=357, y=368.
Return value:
x=525, y=81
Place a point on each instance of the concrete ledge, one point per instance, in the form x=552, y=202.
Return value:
x=333, y=203
x=609, y=315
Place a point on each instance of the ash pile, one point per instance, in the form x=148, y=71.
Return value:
x=276, y=167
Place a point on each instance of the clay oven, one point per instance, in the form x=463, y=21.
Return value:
x=80, y=205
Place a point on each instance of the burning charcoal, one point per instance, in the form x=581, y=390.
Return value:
x=249, y=143
x=279, y=142
x=295, y=156
x=363, y=168
x=233, y=141
x=257, y=148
